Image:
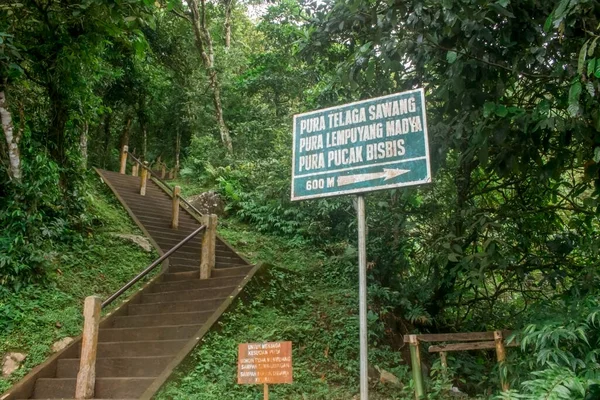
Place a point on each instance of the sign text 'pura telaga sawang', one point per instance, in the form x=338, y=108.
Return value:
x=369, y=145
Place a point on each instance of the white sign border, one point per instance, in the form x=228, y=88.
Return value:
x=427, y=179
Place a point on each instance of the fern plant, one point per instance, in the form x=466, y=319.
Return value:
x=565, y=353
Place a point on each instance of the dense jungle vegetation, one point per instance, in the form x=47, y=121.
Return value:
x=506, y=237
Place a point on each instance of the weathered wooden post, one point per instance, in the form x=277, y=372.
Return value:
x=415, y=358
x=143, y=181
x=135, y=170
x=171, y=173
x=209, y=242
x=124, y=159
x=163, y=171
x=175, y=213
x=444, y=362
x=86, y=378
x=501, y=357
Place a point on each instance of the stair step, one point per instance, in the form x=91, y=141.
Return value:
x=195, y=284
x=165, y=222
x=201, y=294
x=109, y=388
x=146, y=348
x=185, y=261
x=154, y=320
x=169, y=332
x=191, y=253
x=181, y=276
x=232, y=271
x=116, y=367
x=175, y=306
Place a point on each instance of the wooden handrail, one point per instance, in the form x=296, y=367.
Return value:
x=148, y=269
x=165, y=184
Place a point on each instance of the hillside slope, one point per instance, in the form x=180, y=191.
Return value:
x=301, y=296
x=99, y=263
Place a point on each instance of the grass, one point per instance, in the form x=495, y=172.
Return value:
x=302, y=296
x=40, y=314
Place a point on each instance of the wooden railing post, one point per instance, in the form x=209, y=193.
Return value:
x=209, y=242
x=171, y=175
x=134, y=170
x=501, y=357
x=415, y=358
x=175, y=219
x=86, y=378
x=163, y=171
x=124, y=159
x=143, y=181
x=444, y=362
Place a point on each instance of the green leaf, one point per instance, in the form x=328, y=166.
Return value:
x=488, y=108
x=597, y=72
x=591, y=66
x=574, y=94
x=452, y=257
x=502, y=11
x=592, y=47
x=365, y=47
x=548, y=23
x=130, y=18
x=581, y=62
x=501, y=111
x=451, y=56
x=597, y=154
x=590, y=88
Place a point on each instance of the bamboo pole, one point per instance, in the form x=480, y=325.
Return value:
x=501, y=357
x=209, y=241
x=86, y=378
x=123, y=160
x=175, y=213
x=415, y=358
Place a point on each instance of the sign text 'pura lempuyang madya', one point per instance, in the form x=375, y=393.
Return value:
x=369, y=145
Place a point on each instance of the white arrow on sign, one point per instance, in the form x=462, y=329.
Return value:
x=386, y=174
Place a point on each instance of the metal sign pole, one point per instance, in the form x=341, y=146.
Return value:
x=362, y=297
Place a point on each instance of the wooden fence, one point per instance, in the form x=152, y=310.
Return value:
x=463, y=342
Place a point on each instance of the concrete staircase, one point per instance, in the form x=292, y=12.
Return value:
x=141, y=343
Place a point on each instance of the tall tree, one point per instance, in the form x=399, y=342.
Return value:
x=12, y=136
x=204, y=44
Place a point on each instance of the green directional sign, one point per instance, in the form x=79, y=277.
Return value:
x=369, y=145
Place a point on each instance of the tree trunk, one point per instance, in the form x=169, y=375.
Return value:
x=59, y=115
x=177, y=149
x=12, y=139
x=144, y=142
x=83, y=144
x=227, y=23
x=107, y=120
x=205, y=47
x=125, y=134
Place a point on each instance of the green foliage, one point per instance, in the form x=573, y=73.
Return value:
x=304, y=298
x=42, y=312
x=35, y=218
